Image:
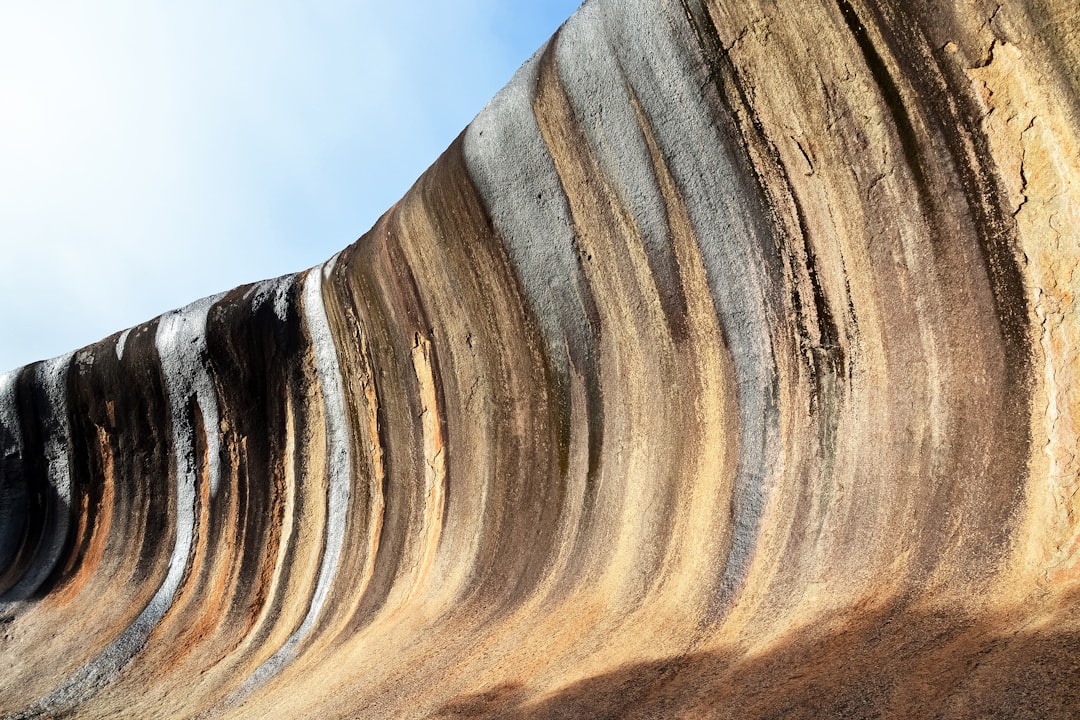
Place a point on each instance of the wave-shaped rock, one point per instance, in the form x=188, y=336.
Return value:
x=725, y=366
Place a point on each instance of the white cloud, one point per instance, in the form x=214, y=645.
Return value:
x=153, y=153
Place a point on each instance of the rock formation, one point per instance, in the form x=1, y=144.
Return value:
x=724, y=367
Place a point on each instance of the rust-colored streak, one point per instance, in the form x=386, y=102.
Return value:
x=92, y=530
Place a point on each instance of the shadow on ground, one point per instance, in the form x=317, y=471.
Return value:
x=894, y=663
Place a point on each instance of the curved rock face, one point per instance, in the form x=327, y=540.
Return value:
x=725, y=366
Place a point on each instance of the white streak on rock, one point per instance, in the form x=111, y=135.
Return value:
x=181, y=346
x=338, y=467
x=329, y=265
x=603, y=106
x=658, y=54
x=120, y=343
x=515, y=174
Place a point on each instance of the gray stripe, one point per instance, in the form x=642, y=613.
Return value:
x=52, y=379
x=661, y=56
x=181, y=346
x=515, y=175
x=13, y=495
x=338, y=471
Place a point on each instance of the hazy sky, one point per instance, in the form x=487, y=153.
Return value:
x=152, y=153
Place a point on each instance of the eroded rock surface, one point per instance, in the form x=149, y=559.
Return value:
x=724, y=367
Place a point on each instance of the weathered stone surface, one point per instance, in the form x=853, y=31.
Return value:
x=724, y=367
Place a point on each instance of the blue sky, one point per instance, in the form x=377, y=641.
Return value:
x=152, y=153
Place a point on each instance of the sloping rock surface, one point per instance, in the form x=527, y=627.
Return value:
x=724, y=367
